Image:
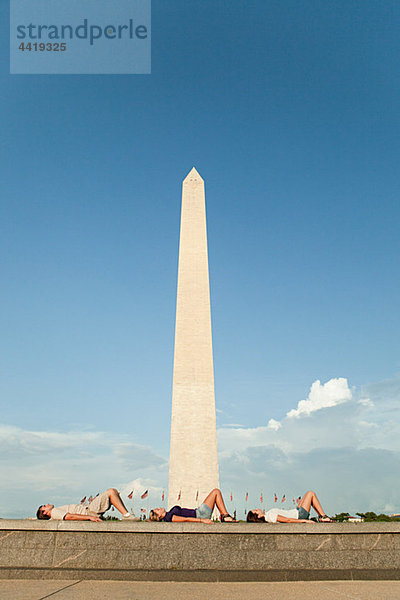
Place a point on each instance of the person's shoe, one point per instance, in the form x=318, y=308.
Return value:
x=325, y=519
x=130, y=518
x=227, y=519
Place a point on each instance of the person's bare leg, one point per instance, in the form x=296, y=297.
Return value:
x=116, y=501
x=215, y=498
x=310, y=500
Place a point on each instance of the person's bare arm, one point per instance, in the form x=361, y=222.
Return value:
x=76, y=517
x=177, y=519
x=281, y=519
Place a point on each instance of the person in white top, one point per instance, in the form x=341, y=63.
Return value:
x=301, y=514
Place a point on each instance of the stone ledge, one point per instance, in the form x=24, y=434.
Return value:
x=154, y=527
x=197, y=552
x=204, y=576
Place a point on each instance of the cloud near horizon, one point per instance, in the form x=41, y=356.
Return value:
x=348, y=452
x=40, y=466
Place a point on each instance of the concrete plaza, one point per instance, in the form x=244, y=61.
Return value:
x=133, y=590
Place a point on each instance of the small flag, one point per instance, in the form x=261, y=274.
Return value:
x=275, y=498
x=283, y=498
x=247, y=496
x=163, y=496
x=197, y=495
x=179, y=495
x=130, y=495
x=145, y=494
x=231, y=497
x=261, y=498
x=90, y=499
x=83, y=500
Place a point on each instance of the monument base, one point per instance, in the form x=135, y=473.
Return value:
x=198, y=552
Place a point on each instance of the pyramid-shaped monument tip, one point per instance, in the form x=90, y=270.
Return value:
x=193, y=175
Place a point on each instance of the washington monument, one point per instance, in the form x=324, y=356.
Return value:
x=193, y=466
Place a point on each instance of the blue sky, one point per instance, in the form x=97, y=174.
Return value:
x=290, y=112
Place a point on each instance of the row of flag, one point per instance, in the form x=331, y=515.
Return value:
x=146, y=493
x=295, y=500
x=231, y=497
x=262, y=498
x=89, y=499
x=246, y=497
x=143, y=496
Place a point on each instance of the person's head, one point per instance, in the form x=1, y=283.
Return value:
x=255, y=516
x=157, y=514
x=43, y=512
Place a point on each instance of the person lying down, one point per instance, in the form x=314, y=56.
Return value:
x=300, y=514
x=202, y=514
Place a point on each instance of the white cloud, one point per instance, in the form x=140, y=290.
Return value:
x=275, y=425
x=367, y=424
x=18, y=442
x=137, y=457
x=333, y=392
x=366, y=402
x=302, y=435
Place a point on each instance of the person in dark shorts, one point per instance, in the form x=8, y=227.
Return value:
x=202, y=514
x=301, y=514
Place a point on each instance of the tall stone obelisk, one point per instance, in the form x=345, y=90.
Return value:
x=193, y=466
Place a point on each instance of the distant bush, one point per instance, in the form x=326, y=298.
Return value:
x=369, y=517
x=342, y=517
